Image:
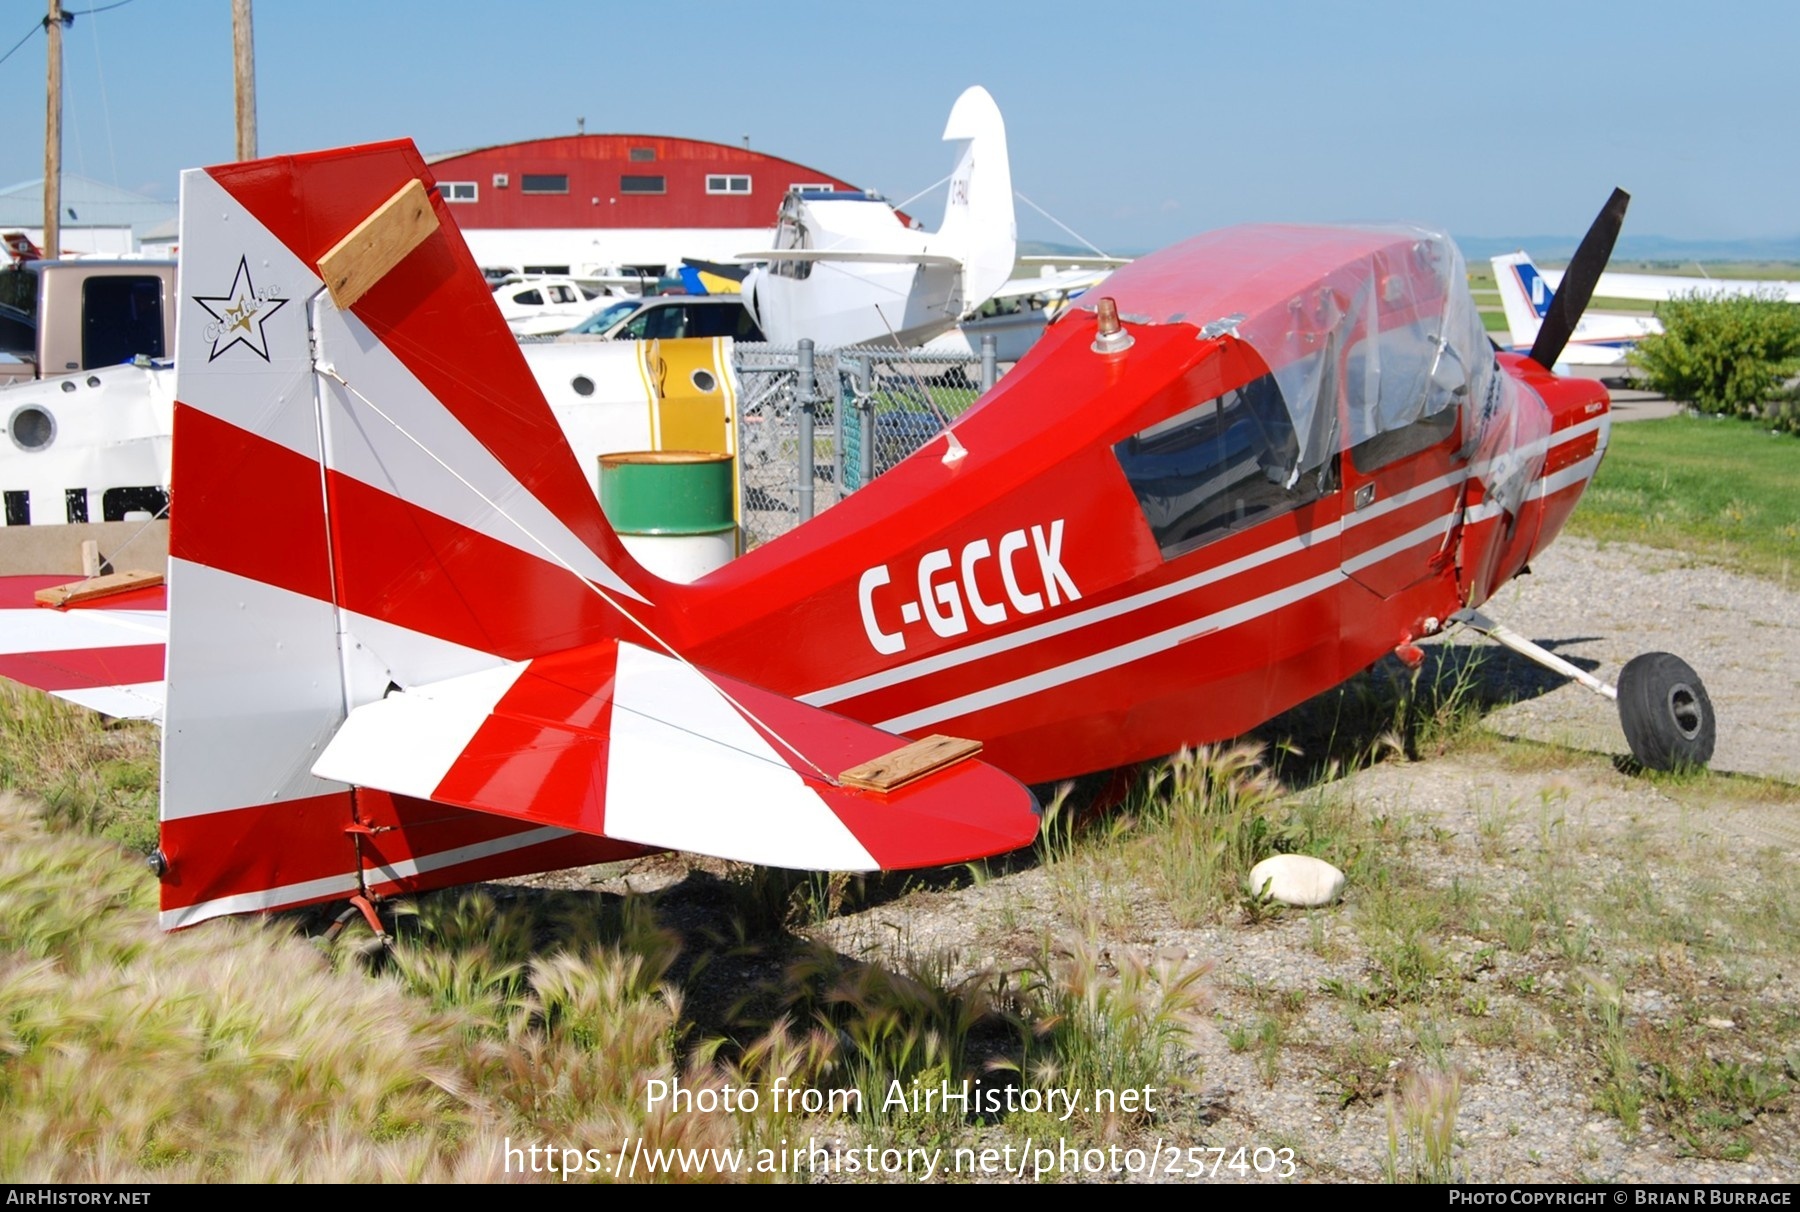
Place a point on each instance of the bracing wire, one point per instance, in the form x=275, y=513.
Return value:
x=903, y=204
x=332, y=373
x=1040, y=210
x=112, y=154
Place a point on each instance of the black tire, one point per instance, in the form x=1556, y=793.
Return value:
x=1667, y=717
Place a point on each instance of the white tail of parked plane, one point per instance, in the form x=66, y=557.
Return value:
x=979, y=228
x=846, y=270
x=1598, y=340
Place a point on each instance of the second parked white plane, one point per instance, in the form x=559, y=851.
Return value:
x=846, y=270
x=1598, y=340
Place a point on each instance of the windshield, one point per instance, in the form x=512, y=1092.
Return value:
x=607, y=316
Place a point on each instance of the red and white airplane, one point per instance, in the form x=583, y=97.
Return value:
x=405, y=649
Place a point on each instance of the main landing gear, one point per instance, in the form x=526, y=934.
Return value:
x=1668, y=719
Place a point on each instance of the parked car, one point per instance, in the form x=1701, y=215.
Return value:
x=666, y=317
x=541, y=307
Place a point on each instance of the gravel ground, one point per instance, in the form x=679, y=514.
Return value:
x=1529, y=1093
x=1598, y=606
x=1678, y=897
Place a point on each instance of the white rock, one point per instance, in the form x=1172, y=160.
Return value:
x=1297, y=879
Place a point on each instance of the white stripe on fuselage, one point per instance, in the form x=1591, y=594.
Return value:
x=419, y=865
x=938, y=662
x=1434, y=530
x=1122, y=654
x=263, y=898
x=330, y=885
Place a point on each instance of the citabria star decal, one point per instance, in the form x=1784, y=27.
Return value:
x=240, y=314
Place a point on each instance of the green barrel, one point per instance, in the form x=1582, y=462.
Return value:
x=667, y=492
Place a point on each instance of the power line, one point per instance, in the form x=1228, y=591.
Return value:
x=35, y=27
x=68, y=17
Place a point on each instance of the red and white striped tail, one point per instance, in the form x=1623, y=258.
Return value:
x=373, y=496
x=373, y=499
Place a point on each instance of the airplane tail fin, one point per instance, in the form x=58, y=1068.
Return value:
x=1525, y=296
x=373, y=495
x=405, y=647
x=979, y=225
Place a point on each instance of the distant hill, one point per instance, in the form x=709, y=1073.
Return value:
x=1547, y=249
x=1049, y=248
x=1637, y=248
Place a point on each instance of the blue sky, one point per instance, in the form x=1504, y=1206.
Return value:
x=1134, y=123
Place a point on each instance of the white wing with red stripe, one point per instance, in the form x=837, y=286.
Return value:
x=108, y=660
x=642, y=747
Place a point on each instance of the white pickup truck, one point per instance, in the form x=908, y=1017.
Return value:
x=84, y=381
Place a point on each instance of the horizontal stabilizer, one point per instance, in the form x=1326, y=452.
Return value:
x=870, y=256
x=622, y=742
x=106, y=656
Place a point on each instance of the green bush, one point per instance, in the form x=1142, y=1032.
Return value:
x=1726, y=355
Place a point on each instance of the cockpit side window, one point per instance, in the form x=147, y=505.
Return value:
x=1218, y=467
x=1404, y=390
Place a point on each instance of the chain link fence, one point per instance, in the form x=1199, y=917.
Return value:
x=858, y=410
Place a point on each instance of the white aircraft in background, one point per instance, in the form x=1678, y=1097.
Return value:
x=1658, y=287
x=1016, y=314
x=846, y=270
x=1598, y=339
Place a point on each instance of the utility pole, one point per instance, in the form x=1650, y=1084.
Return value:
x=53, y=25
x=244, y=71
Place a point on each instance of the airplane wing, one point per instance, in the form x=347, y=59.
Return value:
x=1072, y=262
x=1069, y=280
x=623, y=742
x=1658, y=287
x=1578, y=354
x=871, y=256
x=107, y=656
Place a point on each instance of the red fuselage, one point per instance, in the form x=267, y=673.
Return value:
x=1017, y=594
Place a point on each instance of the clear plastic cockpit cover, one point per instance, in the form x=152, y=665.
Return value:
x=1366, y=330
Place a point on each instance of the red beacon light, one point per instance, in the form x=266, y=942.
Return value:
x=1111, y=337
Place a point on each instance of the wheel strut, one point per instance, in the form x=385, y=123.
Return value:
x=1664, y=708
x=1474, y=620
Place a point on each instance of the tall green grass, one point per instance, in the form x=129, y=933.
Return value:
x=1716, y=488
x=96, y=776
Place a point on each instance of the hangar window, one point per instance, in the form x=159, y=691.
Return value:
x=544, y=183
x=457, y=191
x=629, y=184
x=1218, y=467
x=720, y=183
x=642, y=154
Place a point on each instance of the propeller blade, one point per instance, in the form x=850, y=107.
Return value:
x=1571, y=298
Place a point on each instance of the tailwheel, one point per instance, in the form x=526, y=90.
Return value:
x=1668, y=718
